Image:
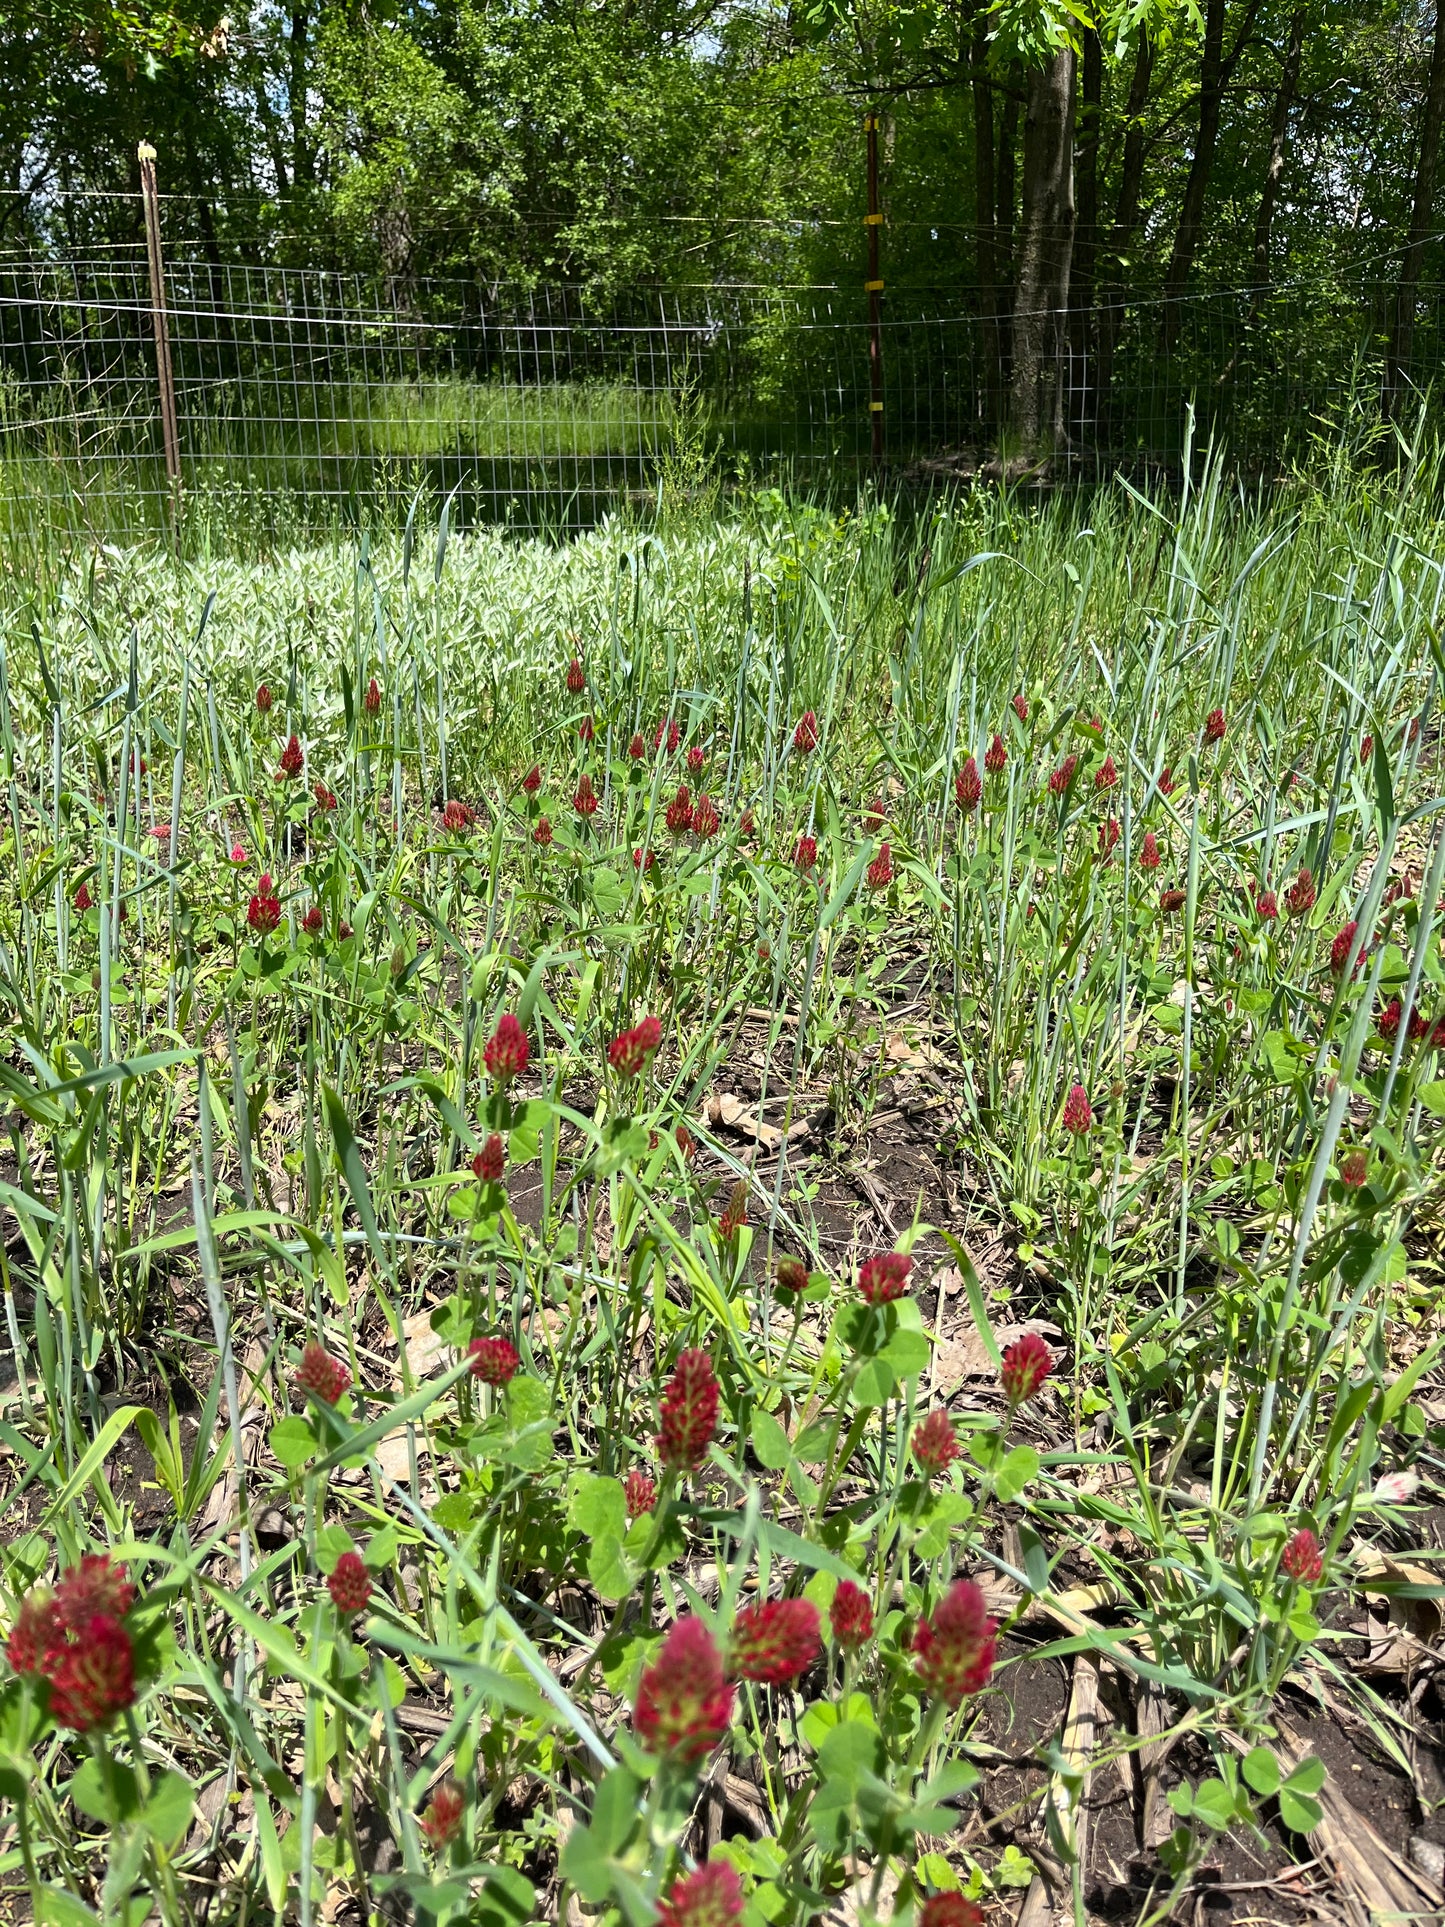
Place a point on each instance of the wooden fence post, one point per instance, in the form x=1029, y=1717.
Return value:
x=146, y=154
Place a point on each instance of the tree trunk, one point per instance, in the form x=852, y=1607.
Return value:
x=1214, y=75
x=1004, y=174
x=1036, y=396
x=1278, y=134
x=1126, y=219
x=1402, y=331
x=301, y=170
x=1086, y=233
x=986, y=235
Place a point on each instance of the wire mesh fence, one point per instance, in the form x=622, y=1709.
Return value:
x=305, y=393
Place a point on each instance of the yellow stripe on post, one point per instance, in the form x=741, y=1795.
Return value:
x=875, y=408
x=872, y=220
x=872, y=287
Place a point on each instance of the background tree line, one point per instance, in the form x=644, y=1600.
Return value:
x=1038, y=160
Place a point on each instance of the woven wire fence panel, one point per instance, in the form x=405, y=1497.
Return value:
x=303, y=392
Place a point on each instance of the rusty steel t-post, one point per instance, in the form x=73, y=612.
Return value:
x=873, y=220
x=146, y=155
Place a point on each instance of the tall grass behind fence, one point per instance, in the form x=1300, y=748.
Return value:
x=305, y=394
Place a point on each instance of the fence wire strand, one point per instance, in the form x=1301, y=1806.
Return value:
x=307, y=386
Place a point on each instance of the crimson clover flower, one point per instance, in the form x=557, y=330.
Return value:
x=1300, y=896
x=1341, y=947
x=639, y=1493
x=935, y=1443
x=791, y=1274
x=884, y=1277
x=93, y=1677
x=96, y=1585
x=879, y=873
x=735, y=1212
x=851, y=1616
x=349, y=1584
x=507, y=1050
x=491, y=1160
x=1078, y=1112
x=678, y=814
x=967, y=788
x=320, y=1374
x=441, y=1821
x=1302, y=1559
x=628, y=1054
x=774, y=1641
x=954, y=1649
x=684, y=1703
x=263, y=913
x=688, y=1412
x=493, y=1361
x=711, y=1897
x=584, y=798
x=950, y=1910
x=1026, y=1364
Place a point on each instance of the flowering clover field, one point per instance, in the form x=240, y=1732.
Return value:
x=647, y=1184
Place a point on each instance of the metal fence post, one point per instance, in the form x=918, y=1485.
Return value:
x=146, y=154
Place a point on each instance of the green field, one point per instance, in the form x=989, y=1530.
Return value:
x=1039, y=910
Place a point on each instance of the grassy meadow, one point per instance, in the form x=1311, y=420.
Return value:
x=737, y=1220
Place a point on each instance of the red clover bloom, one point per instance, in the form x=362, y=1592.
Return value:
x=775, y=1641
x=851, y=1615
x=885, y=1277
x=684, y=1703
x=320, y=1374
x=1302, y=1559
x=493, y=1361
x=1026, y=1364
x=711, y=1897
x=1078, y=1113
x=935, y=1443
x=349, y=1585
x=954, y=1650
x=628, y=1054
x=688, y=1412
x=506, y=1051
